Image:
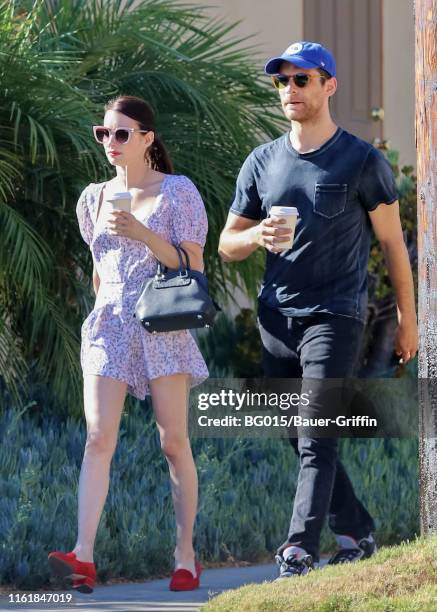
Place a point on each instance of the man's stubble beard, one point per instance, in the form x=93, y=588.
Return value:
x=309, y=115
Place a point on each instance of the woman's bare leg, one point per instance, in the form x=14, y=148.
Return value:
x=103, y=401
x=170, y=404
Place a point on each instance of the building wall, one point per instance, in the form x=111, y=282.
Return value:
x=277, y=23
x=398, y=77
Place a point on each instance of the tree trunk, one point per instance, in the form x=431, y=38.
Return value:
x=426, y=140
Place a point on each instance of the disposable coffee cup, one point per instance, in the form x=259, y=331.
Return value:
x=289, y=214
x=120, y=201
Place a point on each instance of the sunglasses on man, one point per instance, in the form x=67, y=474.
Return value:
x=122, y=135
x=301, y=79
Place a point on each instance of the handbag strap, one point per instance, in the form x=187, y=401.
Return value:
x=187, y=259
x=183, y=269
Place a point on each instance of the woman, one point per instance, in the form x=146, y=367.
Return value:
x=117, y=354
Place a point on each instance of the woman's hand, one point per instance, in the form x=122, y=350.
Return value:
x=121, y=223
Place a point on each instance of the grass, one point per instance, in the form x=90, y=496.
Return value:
x=401, y=578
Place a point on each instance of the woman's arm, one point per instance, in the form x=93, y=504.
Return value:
x=195, y=253
x=166, y=253
x=122, y=223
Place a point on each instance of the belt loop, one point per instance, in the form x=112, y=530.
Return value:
x=289, y=323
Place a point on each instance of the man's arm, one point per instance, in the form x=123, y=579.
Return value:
x=242, y=236
x=388, y=230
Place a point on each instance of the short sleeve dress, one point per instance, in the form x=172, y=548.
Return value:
x=114, y=343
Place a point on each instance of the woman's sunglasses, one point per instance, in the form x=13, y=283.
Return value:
x=280, y=81
x=121, y=135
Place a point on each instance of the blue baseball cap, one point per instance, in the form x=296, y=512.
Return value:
x=304, y=55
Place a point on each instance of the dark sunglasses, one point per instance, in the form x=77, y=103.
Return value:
x=280, y=81
x=121, y=135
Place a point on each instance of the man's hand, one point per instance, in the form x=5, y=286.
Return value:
x=242, y=236
x=269, y=234
x=387, y=226
x=406, y=341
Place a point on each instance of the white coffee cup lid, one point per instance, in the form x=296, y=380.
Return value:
x=121, y=195
x=281, y=211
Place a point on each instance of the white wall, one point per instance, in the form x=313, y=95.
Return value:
x=276, y=23
x=398, y=77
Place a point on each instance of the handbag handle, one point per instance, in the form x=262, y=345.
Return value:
x=183, y=268
x=187, y=264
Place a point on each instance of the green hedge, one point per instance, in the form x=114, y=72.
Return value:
x=246, y=494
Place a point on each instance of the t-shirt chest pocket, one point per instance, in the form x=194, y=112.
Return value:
x=329, y=199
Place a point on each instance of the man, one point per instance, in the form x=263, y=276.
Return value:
x=313, y=300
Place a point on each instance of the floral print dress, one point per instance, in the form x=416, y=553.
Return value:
x=114, y=343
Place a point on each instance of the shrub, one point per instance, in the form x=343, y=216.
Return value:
x=246, y=494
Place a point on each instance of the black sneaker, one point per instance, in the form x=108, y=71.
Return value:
x=351, y=550
x=297, y=563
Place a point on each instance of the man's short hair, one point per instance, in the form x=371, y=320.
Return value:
x=324, y=74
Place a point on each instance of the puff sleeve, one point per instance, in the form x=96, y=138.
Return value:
x=189, y=220
x=86, y=225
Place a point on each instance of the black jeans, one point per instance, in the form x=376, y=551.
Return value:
x=316, y=347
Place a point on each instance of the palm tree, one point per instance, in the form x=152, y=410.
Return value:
x=60, y=61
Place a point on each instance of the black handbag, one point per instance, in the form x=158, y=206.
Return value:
x=175, y=300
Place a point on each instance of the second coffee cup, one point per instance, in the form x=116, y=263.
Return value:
x=289, y=214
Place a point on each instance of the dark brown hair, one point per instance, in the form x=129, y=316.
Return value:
x=326, y=76
x=140, y=111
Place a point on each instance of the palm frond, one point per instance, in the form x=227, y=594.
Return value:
x=60, y=61
x=24, y=257
x=13, y=366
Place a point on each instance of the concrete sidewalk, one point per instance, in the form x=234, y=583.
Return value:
x=154, y=596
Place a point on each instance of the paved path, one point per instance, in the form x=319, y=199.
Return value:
x=154, y=596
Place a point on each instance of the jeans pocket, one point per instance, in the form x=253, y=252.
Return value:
x=330, y=199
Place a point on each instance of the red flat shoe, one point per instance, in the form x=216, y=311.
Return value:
x=183, y=579
x=81, y=573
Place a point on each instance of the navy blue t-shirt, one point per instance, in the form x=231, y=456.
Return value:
x=333, y=189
